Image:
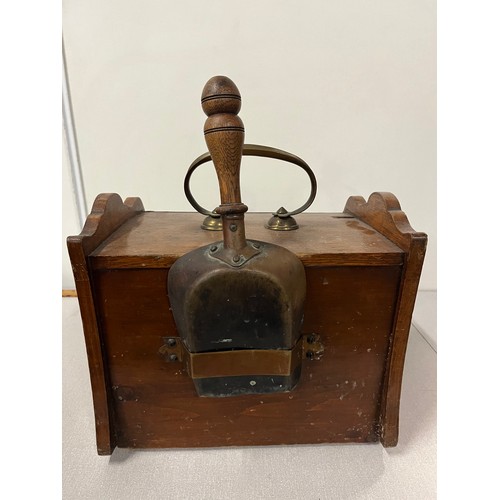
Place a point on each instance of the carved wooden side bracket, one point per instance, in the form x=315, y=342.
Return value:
x=107, y=214
x=383, y=212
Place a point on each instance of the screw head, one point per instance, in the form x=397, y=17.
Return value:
x=233, y=227
x=256, y=245
x=213, y=248
x=172, y=357
x=309, y=354
x=236, y=258
x=172, y=342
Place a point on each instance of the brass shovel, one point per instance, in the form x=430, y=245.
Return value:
x=238, y=303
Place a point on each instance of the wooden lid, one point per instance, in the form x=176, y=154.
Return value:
x=157, y=239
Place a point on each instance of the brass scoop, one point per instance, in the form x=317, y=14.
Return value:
x=238, y=303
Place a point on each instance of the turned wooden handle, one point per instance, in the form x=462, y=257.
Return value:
x=224, y=135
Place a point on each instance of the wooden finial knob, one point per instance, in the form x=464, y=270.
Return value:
x=220, y=95
x=224, y=135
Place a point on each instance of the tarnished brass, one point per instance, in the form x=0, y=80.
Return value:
x=172, y=349
x=237, y=295
x=212, y=222
x=281, y=221
x=246, y=362
x=312, y=348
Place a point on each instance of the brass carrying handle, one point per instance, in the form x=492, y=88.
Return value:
x=254, y=150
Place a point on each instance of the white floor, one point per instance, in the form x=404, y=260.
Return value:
x=365, y=471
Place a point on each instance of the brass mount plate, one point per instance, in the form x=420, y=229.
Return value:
x=242, y=362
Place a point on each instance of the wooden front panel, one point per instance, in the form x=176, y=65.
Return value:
x=337, y=399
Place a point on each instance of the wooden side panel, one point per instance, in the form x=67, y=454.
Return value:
x=337, y=400
x=389, y=420
x=108, y=213
x=383, y=212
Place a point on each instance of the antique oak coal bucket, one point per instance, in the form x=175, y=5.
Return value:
x=296, y=335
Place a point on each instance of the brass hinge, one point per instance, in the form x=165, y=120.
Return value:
x=312, y=348
x=172, y=349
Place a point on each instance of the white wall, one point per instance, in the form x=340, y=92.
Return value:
x=349, y=86
x=70, y=222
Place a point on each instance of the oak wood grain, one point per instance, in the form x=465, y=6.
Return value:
x=224, y=136
x=158, y=239
x=362, y=271
x=108, y=213
x=383, y=212
x=337, y=399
